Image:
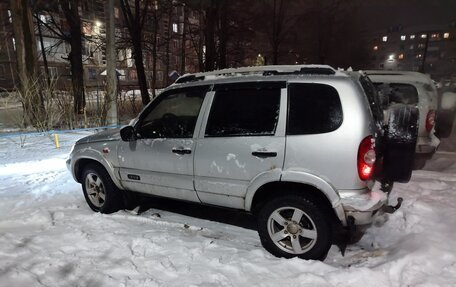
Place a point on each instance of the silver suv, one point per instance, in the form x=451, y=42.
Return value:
x=294, y=145
x=415, y=89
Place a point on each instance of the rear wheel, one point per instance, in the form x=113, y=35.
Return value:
x=400, y=143
x=100, y=192
x=294, y=226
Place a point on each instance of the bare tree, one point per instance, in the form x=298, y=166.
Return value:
x=195, y=32
x=184, y=25
x=167, y=8
x=70, y=9
x=327, y=35
x=156, y=15
x=135, y=16
x=70, y=33
x=26, y=58
x=209, y=35
x=43, y=49
x=224, y=30
x=280, y=22
x=111, y=83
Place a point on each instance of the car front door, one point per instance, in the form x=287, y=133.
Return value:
x=160, y=161
x=242, y=138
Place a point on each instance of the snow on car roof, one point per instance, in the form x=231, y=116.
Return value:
x=262, y=70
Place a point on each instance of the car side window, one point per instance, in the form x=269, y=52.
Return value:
x=173, y=114
x=244, y=112
x=313, y=109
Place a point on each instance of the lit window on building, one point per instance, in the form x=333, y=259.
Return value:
x=385, y=38
x=391, y=58
x=423, y=36
x=421, y=45
x=419, y=56
x=412, y=37
x=400, y=57
x=375, y=48
x=435, y=36
x=446, y=35
x=412, y=47
x=175, y=27
x=403, y=37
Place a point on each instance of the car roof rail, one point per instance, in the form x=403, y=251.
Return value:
x=260, y=71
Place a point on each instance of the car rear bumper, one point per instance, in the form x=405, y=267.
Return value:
x=362, y=207
x=427, y=144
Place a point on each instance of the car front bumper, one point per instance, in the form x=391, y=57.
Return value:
x=68, y=164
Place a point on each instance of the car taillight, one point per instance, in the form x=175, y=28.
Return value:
x=366, y=158
x=430, y=120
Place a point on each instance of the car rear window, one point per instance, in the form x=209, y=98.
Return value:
x=399, y=93
x=313, y=109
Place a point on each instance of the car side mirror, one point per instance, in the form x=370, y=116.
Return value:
x=128, y=134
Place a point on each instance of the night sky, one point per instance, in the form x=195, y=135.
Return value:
x=382, y=14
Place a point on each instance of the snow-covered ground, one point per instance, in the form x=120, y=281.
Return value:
x=49, y=236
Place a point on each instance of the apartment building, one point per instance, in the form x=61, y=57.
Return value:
x=92, y=13
x=430, y=49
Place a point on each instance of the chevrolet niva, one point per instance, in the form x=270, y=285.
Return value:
x=300, y=147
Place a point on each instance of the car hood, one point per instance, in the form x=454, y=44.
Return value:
x=104, y=136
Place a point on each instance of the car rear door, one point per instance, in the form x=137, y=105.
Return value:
x=242, y=137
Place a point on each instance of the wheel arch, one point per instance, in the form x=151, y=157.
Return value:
x=81, y=163
x=331, y=203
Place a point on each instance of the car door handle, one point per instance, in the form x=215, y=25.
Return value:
x=264, y=154
x=181, y=151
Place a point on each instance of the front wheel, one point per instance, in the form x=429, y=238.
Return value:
x=294, y=226
x=100, y=192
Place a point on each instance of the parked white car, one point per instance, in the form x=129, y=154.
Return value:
x=415, y=89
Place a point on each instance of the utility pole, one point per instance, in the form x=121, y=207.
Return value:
x=111, y=73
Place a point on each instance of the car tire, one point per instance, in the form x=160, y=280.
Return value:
x=400, y=143
x=100, y=192
x=305, y=230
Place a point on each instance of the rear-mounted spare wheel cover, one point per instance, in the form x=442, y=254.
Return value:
x=400, y=142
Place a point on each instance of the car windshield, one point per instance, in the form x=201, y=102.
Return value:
x=399, y=93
